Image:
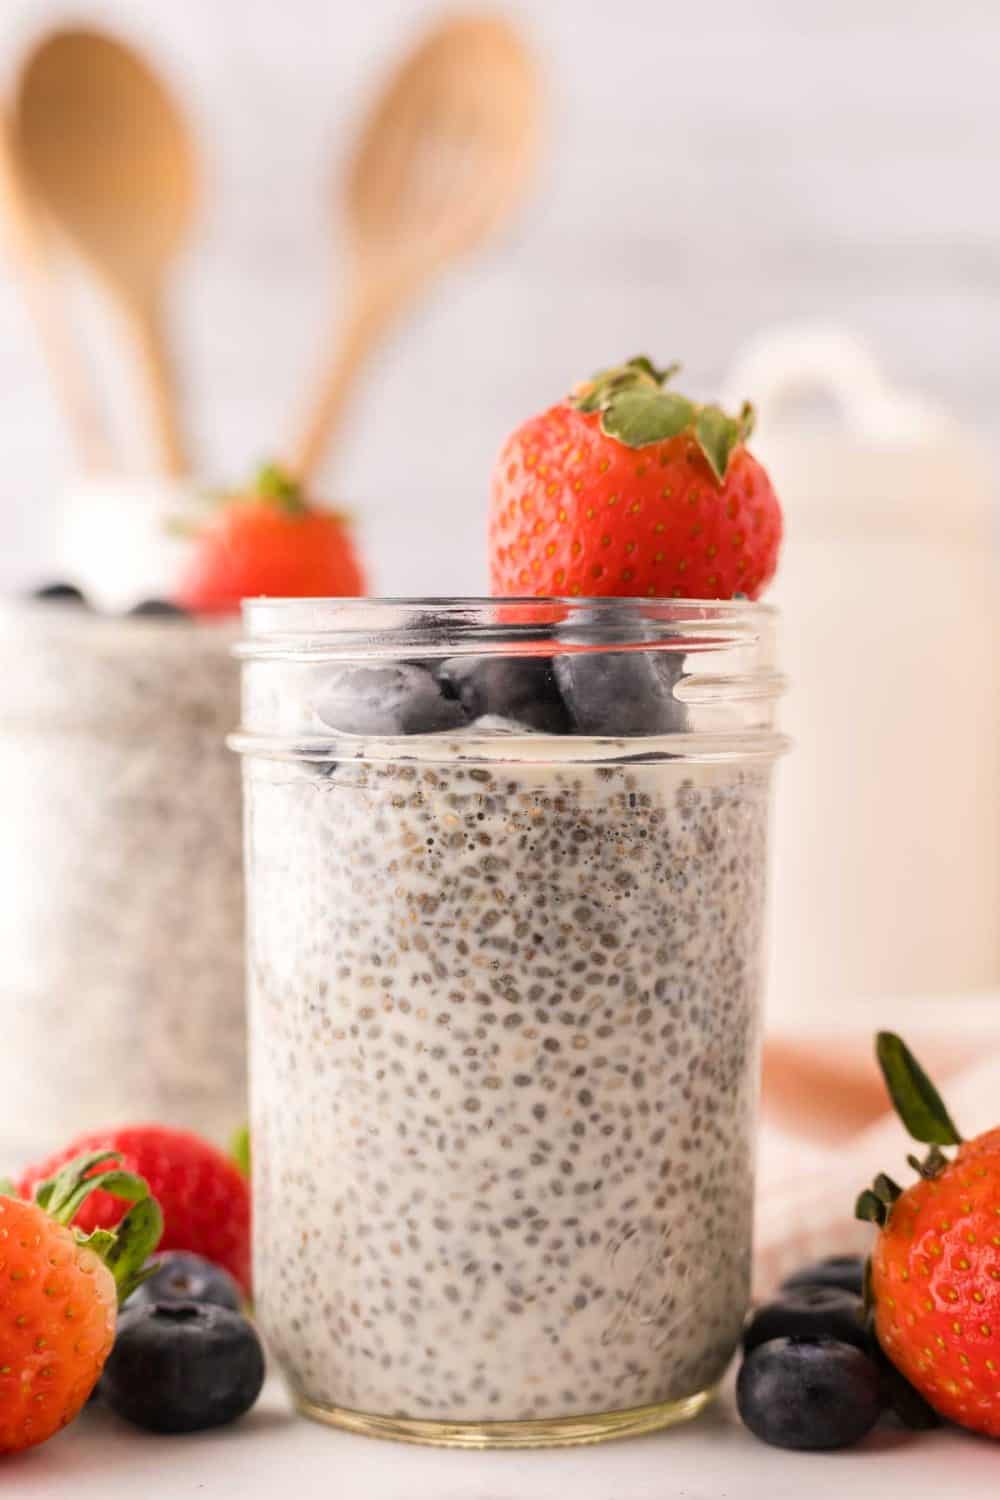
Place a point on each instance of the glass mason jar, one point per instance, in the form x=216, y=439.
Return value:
x=506, y=870
x=121, y=919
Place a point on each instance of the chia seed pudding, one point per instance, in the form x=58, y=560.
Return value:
x=504, y=990
x=121, y=924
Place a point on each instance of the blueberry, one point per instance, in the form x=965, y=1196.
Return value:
x=846, y=1271
x=182, y=1367
x=811, y=1394
x=160, y=608
x=399, y=699
x=900, y=1397
x=521, y=688
x=181, y=1276
x=59, y=593
x=808, y=1312
x=621, y=692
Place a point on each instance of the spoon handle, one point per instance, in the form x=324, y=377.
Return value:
x=67, y=368
x=368, y=311
x=160, y=383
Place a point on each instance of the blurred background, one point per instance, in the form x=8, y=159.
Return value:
x=704, y=173
x=796, y=200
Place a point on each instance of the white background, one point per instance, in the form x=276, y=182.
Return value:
x=710, y=169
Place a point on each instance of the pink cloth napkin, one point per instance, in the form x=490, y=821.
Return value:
x=827, y=1128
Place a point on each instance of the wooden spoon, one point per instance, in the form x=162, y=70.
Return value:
x=445, y=152
x=28, y=247
x=108, y=155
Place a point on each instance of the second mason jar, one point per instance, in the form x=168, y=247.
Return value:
x=506, y=879
x=121, y=891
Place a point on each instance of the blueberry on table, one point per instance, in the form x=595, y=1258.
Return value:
x=810, y=1394
x=900, y=1398
x=621, y=692
x=521, y=688
x=846, y=1271
x=59, y=593
x=402, y=698
x=182, y=1276
x=182, y=1367
x=158, y=609
x=808, y=1312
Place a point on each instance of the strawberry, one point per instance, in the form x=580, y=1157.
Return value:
x=269, y=541
x=935, y=1268
x=59, y=1293
x=204, y=1197
x=630, y=489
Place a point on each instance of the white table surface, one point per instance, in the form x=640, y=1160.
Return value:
x=274, y=1455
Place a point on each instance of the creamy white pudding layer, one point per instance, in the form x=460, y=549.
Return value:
x=504, y=1032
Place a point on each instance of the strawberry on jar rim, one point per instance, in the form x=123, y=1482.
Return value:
x=269, y=541
x=628, y=488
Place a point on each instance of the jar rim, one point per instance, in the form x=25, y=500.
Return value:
x=452, y=603
x=714, y=686
x=446, y=625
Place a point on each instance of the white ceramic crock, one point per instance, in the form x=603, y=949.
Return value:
x=887, y=864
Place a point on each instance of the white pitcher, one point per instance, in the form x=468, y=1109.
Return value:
x=887, y=863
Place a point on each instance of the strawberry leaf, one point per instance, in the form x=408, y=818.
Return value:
x=645, y=364
x=870, y=1208
x=718, y=434
x=120, y=1184
x=135, y=1239
x=883, y=1187
x=276, y=485
x=124, y=1249
x=637, y=417
x=595, y=394
x=636, y=410
x=98, y=1240
x=916, y=1100
x=932, y=1165
x=55, y=1192
x=590, y=397
x=239, y=1149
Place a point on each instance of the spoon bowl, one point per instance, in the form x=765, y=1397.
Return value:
x=109, y=157
x=28, y=246
x=439, y=164
x=448, y=144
